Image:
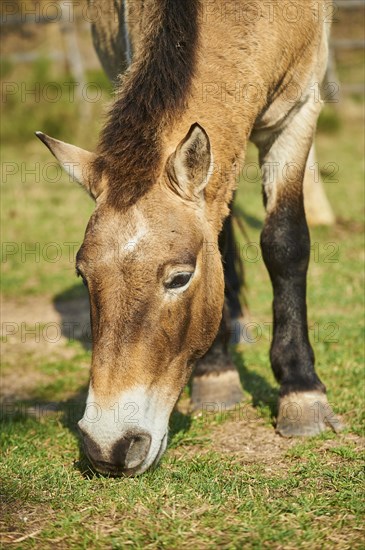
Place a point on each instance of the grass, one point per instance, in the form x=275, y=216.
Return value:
x=206, y=500
x=204, y=494
x=36, y=256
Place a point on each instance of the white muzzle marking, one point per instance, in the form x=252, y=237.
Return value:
x=137, y=410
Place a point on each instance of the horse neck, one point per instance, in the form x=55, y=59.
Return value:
x=216, y=104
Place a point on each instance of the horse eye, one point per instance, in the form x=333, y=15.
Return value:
x=179, y=280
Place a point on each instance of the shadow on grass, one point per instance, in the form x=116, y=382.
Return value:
x=36, y=409
x=67, y=412
x=262, y=393
x=73, y=307
x=251, y=221
x=179, y=423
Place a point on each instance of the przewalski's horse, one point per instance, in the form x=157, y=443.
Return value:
x=162, y=178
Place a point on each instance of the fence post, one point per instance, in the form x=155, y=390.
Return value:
x=74, y=61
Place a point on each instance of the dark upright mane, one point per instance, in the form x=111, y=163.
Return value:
x=154, y=90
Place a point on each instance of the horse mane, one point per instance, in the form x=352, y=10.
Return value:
x=152, y=93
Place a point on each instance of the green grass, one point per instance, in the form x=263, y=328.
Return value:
x=36, y=256
x=308, y=495
x=206, y=500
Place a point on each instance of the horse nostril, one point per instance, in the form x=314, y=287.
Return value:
x=129, y=452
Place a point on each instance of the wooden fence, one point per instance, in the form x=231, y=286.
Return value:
x=72, y=56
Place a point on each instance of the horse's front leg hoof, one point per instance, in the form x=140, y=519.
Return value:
x=216, y=383
x=306, y=414
x=216, y=391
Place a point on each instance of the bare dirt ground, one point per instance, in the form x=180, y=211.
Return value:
x=35, y=330
x=244, y=436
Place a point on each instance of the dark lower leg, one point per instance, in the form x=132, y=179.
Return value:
x=303, y=406
x=286, y=248
x=233, y=279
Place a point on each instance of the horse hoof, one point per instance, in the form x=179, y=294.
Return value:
x=216, y=391
x=305, y=414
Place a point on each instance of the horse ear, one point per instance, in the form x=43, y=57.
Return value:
x=189, y=167
x=75, y=161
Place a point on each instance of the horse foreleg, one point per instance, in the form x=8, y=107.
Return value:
x=303, y=405
x=216, y=384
